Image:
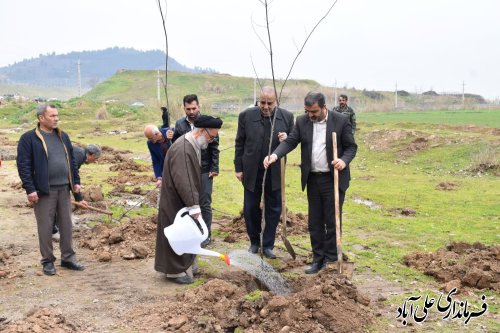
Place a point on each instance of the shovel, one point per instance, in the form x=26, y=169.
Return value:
x=337, y=205
x=288, y=246
x=92, y=208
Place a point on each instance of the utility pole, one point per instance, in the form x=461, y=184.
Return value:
x=463, y=95
x=158, y=86
x=396, y=96
x=79, y=79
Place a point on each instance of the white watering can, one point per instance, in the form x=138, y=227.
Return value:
x=186, y=234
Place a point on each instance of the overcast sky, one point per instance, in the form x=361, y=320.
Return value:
x=372, y=44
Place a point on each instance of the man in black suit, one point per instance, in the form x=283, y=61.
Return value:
x=251, y=146
x=314, y=132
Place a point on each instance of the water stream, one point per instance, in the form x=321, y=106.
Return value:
x=258, y=268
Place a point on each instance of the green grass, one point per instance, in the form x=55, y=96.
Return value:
x=468, y=213
x=487, y=118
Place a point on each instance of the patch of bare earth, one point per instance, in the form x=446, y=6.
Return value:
x=296, y=224
x=461, y=265
x=45, y=320
x=446, y=186
x=9, y=265
x=318, y=304
x=134, y=239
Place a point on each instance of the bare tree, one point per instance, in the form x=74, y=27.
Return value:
x=163, y=19
x=269, y=49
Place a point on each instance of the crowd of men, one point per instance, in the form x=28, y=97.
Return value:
x=185, y=161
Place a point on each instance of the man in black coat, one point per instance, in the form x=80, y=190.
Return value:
x=209, y=159
x=314, y=132
x=251, y=146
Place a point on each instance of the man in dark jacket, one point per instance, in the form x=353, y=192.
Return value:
x=346, y=109
x=251, y=146
x=314, y=132
x=209, y=159
x=48, y=171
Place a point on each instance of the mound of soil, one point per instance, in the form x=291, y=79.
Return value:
x=126, y=177
x=134, y=239
x=325, y=303
x=93, y=194
x=446, y=186
x=9, y=267
x=461, y=264
x=296, y=224
x=45, y=320
x=129, y=165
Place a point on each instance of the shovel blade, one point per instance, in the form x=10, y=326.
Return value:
x=347, y=268
x=289, y=247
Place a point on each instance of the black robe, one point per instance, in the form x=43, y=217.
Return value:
x=180, y=188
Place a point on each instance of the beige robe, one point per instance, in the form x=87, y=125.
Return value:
x=180, y=188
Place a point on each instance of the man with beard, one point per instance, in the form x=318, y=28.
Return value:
x=209, y=159
x=251, y=146
x=181, y=187
x=314, y=132
x=346, y=109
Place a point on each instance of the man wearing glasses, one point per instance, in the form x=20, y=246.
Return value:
x=251, y=146
x=209, y=158
x=314, y=132
x=182, y=187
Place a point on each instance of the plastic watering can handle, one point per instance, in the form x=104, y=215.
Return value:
x=200, y=223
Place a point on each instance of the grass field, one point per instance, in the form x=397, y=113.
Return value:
x=386, y=171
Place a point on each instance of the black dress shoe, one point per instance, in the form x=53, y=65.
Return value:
x=315, y=268
x=206, y=242
x=253, y=248
x=48, y=268
x=72, y=265
x=186, y=279
x=269, y=253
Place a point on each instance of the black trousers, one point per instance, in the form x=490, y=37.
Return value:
x=321, y=223
x=253, y=213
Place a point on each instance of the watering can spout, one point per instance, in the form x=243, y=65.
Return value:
x=186, y=234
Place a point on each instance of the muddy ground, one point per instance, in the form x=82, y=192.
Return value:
x=461, y=265
x=119, y=291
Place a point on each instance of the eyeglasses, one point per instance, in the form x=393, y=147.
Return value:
x=212, y=137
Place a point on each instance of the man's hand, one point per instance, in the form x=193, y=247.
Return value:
x=239, y=175
x=33, y=197
x=339, y=164
x=158, y=181
x=84, y=204
x=77, y=188
x=195, y=216
x=170, y=134
x=282, y=136
x=212, y=174
x=270, y=160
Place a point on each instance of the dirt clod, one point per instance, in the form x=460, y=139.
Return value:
x=469, y=265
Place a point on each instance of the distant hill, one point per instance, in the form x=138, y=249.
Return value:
x=53, y=70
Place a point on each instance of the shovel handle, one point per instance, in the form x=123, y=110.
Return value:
x=283, y=199
x=337, y=204
x=92, y=208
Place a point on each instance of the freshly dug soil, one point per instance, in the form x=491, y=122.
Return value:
x=9, y=267
x=235, y=227
x=466, y=265
x=325, y=303
x=134, y=239
x=45, y=320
